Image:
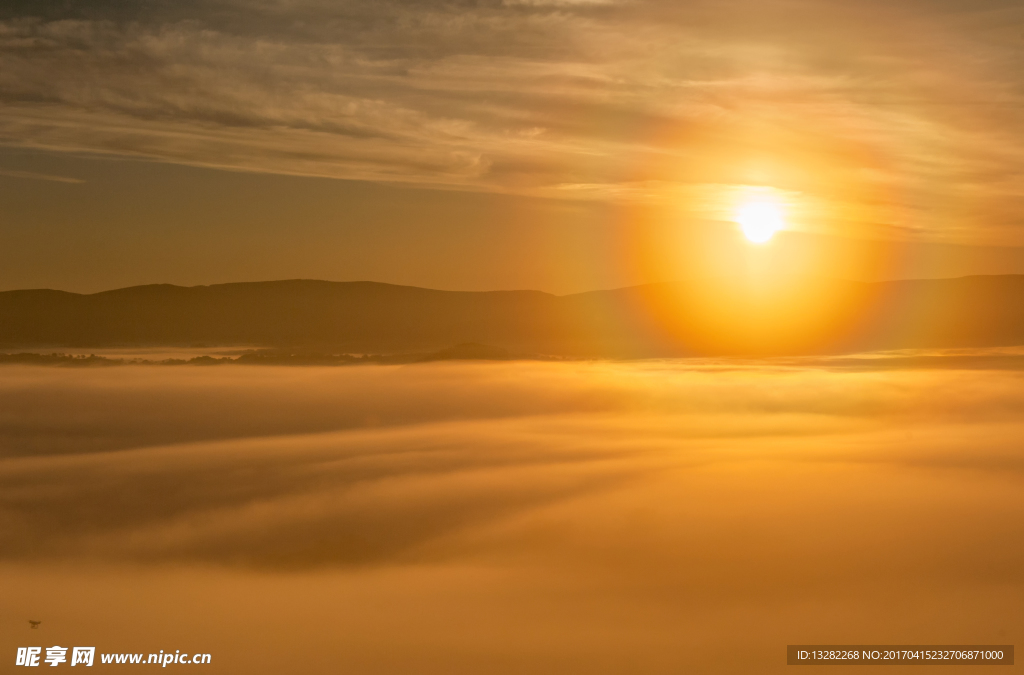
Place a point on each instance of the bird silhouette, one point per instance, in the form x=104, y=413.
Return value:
x=34, y=624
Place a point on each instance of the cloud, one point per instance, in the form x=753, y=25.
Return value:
x=302, y=468
x=907, y=108
x=556, y=3
x=31, y=175
x=551, y=517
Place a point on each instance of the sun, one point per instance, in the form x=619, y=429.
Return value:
x=759, y=219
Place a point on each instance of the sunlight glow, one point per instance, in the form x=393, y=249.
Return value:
x=759, y=220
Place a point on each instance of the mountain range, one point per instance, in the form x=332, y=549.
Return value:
x=694, y=317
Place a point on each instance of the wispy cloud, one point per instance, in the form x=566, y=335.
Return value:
x=311, y=467
x=910, y=109
x=31, y=175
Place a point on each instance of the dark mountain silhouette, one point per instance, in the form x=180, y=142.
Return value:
x=697, y=317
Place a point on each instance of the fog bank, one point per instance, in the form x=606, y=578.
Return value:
x=662, y=516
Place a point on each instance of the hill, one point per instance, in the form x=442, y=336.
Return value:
x=696, y=317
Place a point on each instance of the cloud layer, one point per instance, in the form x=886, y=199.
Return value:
x=466, y=518
x=908, y=122
x=312, y=467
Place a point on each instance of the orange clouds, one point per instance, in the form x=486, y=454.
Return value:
x=891, y=121
x=465, y=517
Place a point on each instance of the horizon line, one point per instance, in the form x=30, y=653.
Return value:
x=442, y=290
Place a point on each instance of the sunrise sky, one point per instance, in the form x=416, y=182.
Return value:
x=563, y=145
x=678, y=478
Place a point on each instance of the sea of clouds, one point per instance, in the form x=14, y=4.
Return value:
x=549, y=517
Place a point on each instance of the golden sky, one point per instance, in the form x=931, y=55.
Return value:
x=568, y=135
